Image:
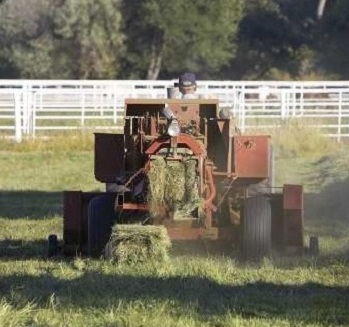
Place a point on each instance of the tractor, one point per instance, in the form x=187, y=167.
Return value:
x=232, y=176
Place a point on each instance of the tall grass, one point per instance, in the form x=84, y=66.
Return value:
x=294, y=138
x=70, y=141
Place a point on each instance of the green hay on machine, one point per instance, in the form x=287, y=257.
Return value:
x=174, y=184
x=157, y=179
x=136, y=243
x=191, y=183
x=192, y=199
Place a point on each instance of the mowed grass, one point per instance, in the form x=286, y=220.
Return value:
x=190, y=289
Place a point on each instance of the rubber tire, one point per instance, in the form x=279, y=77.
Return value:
x=52, y=245
x=256, y=228
x=100, y=217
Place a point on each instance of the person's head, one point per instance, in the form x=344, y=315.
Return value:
x=187, y=83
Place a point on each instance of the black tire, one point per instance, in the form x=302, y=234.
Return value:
x=100, y=217
x=52, y=245
x=256, y=228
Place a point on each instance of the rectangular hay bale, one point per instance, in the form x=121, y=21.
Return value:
x=138, y=243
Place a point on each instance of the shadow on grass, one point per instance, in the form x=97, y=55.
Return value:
x=11, y=249
x=30, y=204
x=312, y=303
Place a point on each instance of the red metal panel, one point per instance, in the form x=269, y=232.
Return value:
x=218, y=144
x=182, y=139
x=199, y=233
x=185, y=233
x=293, y=197
x=134, y=206
x=109, y=157
x=294, y=228
x=293, y=215
x=251, y=156
x=185, y=113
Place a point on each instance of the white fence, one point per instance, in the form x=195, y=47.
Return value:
x=31, y=107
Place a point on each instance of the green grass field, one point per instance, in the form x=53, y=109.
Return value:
x=189, y=290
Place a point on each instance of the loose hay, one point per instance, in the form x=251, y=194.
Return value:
x=192, y=200
x=174, y=184
x=157, y=179
x=137, y=243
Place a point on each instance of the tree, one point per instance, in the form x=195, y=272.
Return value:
x=88, y=37
x=321, y=8
x=332, y=45
x=61, y=38
x=20, y=30
x=165, y=37
x=275, y=36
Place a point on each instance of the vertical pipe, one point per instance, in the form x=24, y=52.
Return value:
x=242, y=110
x=29, y=113
x=83, y=109
x=339, y=127
x=34, y=114
x=18, y=126
x=283, y=105
x=210, y=195
x=114, y=103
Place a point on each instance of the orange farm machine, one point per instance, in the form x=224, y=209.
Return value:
x=233, y=177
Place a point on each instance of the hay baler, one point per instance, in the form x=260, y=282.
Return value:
x=232, y=179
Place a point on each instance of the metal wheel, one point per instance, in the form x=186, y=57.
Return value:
x=100, y=218
x=256, y=228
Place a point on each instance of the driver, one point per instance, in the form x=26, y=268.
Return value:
x=187, y=86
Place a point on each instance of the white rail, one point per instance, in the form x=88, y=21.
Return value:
x=32, y=107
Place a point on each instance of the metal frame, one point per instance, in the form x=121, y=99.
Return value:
x=247, y=162
x=30, y=108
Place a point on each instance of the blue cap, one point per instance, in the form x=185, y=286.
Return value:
x=187, y=80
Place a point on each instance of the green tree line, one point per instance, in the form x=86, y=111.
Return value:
x=157, y=39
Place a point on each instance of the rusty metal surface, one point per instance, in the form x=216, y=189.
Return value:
x=189, y=112
x=130, y=101
x=218, y=144
x=185, y=113
x=183, y=140
x=293, y=215
x=293, y=197
x=251, y=156
x=222, y=156
x=134, y=206
x=294, y=228
x=214, y=233
x=211, y=194
x=185, y=233
x=109, y=157
x=288, y=218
